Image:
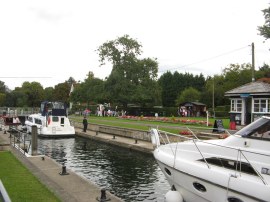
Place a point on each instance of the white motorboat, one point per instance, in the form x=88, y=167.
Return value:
x=235, y=169
x=52, y=121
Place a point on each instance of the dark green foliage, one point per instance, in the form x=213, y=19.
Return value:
x=173, y=85
x=265, y=29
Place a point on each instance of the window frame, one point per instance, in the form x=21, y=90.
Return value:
x=261, y=105
x=235, y=102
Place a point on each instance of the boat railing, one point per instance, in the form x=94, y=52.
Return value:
x=168, y=138
x=20, y=140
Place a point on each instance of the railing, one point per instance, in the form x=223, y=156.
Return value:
x=20, y=140
x=12, y=111
x=165, y=139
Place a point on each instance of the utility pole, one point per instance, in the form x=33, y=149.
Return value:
x=213, y=98
x=253, y=62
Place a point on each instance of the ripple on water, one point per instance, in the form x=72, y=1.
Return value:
x=132, y=176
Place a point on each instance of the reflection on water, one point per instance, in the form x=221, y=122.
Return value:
x=132, y=176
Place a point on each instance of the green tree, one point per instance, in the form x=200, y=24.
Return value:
x=61, y=92
x=265, y=29
x=188, y=95
x=3, y=88
x=34, y=92
x=91, y=91
x=131, y=80
x=168, y=94
x=48, y=93
x=2, y=99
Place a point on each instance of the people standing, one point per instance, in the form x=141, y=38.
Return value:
x=85, y=123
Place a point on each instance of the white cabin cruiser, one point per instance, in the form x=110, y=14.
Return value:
x=235, y=169
x=52, y=121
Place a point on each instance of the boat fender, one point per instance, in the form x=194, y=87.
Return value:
x=173, y=196
x=155, y=137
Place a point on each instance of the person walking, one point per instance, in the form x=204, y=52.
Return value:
x=85, y=123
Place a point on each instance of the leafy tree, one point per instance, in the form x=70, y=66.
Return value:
x=48, y=93
x=168, y=93
x=264, y=71
x=174, y=84
x=34, y=93
x=71, y=81
x=2, y=99
x=89, y=91
x=188, y=95
x=131, y=80
x=61, y=92
x=3, y=87
x=265, y=29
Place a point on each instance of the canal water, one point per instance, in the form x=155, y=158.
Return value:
x=130, y=175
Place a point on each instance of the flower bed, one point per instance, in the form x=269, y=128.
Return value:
x=167, y=120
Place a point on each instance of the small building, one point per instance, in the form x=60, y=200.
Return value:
x=193, y=109
x=249, y=102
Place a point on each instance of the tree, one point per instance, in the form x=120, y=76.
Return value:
x=188, y=95
x=132, y=80
x=168, y=93
x=34, y=93
x=173, y=84
x=2, y=99
x=2, y=87
x=265, y=29
x=48, y=93
x=61, y=92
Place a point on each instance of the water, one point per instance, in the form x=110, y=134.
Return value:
x=130, y=175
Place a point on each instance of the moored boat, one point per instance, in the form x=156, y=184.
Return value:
x=235, y=169
x=52, y=121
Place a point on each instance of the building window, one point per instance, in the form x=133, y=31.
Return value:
x=261, y=105
x=236, y=105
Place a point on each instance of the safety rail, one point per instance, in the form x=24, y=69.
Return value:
x=20, y=140
x=195, y=140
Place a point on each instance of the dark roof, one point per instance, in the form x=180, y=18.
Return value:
x=254, y=88
x=192, y=103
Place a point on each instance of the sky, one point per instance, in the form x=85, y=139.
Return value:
x=50, y=41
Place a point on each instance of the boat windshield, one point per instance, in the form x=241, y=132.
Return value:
x=257, y=129
x=58, y=105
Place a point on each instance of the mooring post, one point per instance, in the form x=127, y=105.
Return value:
x=103, y=197
x=34, y=141
x=64, y=170
x=96, y=132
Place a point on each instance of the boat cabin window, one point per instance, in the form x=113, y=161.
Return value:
x=62, y=121
x=55, y=119
x=38, y=121
x=30, y=119
x=231, y=164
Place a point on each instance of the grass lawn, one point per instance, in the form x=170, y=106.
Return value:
x=20, y=183
x=145, y=124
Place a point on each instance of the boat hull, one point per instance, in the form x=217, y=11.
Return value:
x=186, y=183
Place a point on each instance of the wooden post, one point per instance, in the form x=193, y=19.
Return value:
x=34, y=141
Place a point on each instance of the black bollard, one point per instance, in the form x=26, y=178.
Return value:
x=103, y=197
x=96, y=132
x=114, y=137
x=64, y=170
x=136, y=141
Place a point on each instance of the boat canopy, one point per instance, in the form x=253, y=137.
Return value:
x=53, y=108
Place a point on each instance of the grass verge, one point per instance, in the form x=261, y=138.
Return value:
x=144, y=125
x=20, y=183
